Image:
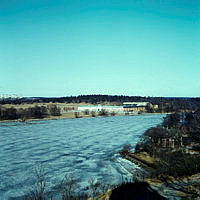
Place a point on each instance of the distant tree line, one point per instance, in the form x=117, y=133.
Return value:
x=27, y=113
x=165, y=104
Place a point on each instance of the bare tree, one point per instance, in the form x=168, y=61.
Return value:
x=68, y=187
x=94, y=186
x=38, y=189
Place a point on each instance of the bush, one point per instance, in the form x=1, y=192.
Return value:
x=172, y=120
x=54, y=110
x=103, y=112
x=31, y=112
x=86, y=112
x=149, y=140
x=178, y=164
x=113, y=113
x=38, y=190
x=68, y=188
x=36, y=112
x=77, y=114
x=94, y=114
x=126, y=149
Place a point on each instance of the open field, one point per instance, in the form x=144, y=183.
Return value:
x=60, y=105
x=67, y=110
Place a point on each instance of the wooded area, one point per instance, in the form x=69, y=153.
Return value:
x=165, y=104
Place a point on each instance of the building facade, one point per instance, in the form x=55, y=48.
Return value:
x=134, y=106
x=99, y=108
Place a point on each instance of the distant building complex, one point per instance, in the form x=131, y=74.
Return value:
x=127, y=107
x=134, y=106
x=99, y=108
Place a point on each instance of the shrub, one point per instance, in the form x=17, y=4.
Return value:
x=178, y=164
x=86, y=112
x=37, y=192
x=77, y=114
x=113, y=113
x=68, y=187
x=93, y=113
x=54, y=110
x=103, y=112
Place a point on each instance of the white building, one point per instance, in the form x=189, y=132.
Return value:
x=98, y=108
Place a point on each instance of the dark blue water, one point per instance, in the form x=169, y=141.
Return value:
x=87, y=147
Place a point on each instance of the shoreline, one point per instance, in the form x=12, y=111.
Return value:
x=41, y=119
x=147, y=163
x=53, y=118
x=141, y=159
x=70, y=116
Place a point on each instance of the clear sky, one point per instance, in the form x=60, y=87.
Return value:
x=124, y=47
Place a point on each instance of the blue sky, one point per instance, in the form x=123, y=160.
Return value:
x=71, y=47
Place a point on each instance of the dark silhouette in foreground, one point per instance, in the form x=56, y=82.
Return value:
x=135, y=191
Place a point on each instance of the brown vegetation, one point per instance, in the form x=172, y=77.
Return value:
x=36, y=112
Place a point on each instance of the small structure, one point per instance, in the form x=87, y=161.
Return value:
x=163, y=138
x=134, y=106
x=166, y=142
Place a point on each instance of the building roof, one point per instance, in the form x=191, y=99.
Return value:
x=136, y=103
